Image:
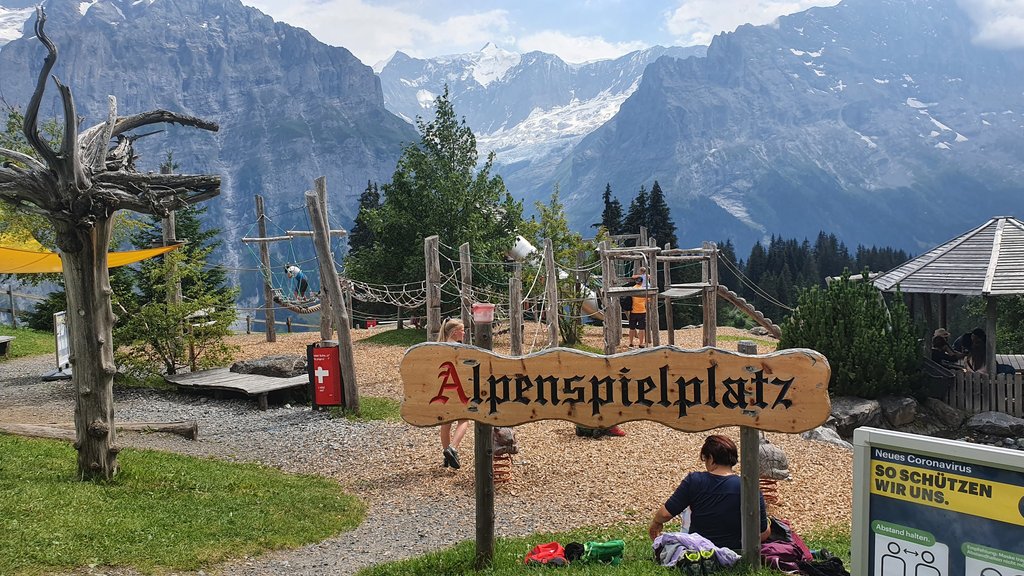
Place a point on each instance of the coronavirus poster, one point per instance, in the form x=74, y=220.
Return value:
x=931, y=507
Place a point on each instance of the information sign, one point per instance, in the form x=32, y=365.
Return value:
x=926, y=506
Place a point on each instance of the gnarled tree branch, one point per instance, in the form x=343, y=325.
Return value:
x=31, y=126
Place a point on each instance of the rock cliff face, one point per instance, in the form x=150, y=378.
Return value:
x=290, y=108
x=881, y=120
x=530, y=109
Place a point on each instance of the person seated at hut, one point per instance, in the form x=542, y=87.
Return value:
x=942, y=352
x=977, y=355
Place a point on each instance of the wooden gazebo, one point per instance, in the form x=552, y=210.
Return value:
x=987, y=261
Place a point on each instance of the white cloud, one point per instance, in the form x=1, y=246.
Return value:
x=576, y=48
x=375, y=32
x=999, y=23
x=698, y=21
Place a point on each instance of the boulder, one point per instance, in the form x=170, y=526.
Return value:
x=942, y=413
x=996, y=424
x=826, y=434
x=759, y=331
x=851, y=413
x=898, y=411
x=279, y=366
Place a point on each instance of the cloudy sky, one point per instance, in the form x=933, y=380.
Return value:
x=575, y=30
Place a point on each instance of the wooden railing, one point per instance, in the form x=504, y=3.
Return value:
x=973, y=393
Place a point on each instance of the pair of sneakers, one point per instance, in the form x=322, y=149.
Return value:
x=451, y=458
x=698, y=562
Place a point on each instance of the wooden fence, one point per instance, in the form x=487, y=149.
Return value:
x=973, y=392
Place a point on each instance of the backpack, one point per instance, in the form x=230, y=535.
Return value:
x=784, y=556
x=550, y=554
x=626, y=303
x=828, y=567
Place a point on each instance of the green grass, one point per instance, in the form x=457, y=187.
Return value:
x=771, y=344
x=637, y=559
x=404, y=338
x=372, y=408
x=162, y=512
x=587, y=348
x=28, y=342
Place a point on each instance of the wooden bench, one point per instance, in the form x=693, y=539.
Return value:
x=5, y=341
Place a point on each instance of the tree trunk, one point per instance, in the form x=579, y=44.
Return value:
x=91, y=322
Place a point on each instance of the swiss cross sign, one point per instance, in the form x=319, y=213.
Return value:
x=325, y=375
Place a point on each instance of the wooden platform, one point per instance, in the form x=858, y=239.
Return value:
x=248, y=384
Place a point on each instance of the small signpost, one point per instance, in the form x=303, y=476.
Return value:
x=936, y=507
x=60, y=334
x=689, y=390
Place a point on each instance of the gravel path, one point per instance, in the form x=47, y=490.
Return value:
x=559, y=482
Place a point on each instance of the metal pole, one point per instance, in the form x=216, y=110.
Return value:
x=484, y=473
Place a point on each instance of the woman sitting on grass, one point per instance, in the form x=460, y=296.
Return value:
x=713, y=497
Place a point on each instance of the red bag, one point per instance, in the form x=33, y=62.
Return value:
x=550, y=554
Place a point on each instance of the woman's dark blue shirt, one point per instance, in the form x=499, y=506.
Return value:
x=714, y=503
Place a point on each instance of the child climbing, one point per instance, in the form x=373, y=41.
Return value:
x=299, y=283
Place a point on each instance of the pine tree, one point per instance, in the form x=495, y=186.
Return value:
x=361, y=237
x=659, y=219
x=611, y=216
x=637, y=214
x=157, y=334
x=437, y=188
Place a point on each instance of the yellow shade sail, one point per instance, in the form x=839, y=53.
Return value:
x=14, y=261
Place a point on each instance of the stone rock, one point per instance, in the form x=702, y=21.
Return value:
x=758, y=331
x=851, y=413
x=772, y=461
x=898, y=411
x=826, y=434
x=279, y=366
x=996, y=423
x=943, y=413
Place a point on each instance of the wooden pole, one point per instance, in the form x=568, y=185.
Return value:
x=750, y=471
x=326, y=329
x=14, y=313
x=466, y=293
x=943, y=307
x=612, y=314
x=515, y=310
x=268, y=288
x=990, y=335
x=321, y=238
x=666, y=268
x=653, y=316
x=431, y=256
x=551, y=289
x=709, y=271
x=750, y=508
x=170, y=236
x=483, y=446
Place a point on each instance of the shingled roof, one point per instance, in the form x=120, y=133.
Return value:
x=988, y=260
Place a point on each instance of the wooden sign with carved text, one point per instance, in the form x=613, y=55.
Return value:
x=690, y=390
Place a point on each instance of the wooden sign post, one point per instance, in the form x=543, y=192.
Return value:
x=689, y=390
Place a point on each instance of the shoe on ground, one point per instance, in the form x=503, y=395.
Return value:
x=615, y=431
x=452, y=457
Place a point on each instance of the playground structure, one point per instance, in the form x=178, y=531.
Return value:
x=601, y=289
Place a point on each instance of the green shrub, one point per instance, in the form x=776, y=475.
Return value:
x=872, y=350
x=41, y=316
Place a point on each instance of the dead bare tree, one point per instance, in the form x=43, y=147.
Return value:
x=78, y=187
